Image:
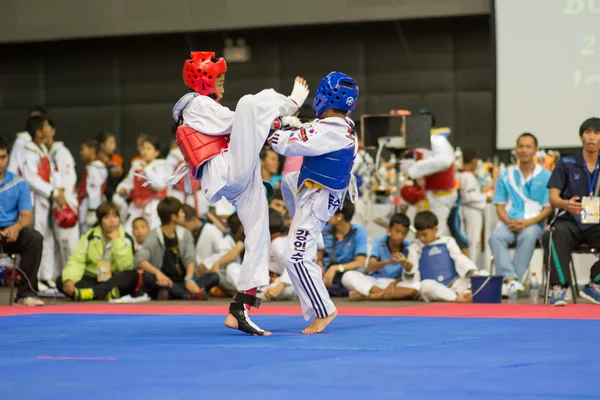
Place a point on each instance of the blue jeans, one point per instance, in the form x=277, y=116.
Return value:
x=502, y=237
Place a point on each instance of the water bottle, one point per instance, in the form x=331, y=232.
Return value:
x=512, y=294
x=534, y=289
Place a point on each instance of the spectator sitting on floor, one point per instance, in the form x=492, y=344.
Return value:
x=384, y=279
x=141, y=229
x=437, y=262
x=168, y=258
x=101, y=268
x=345, y=248
x=522, y=204
x=278, y=204
x=574, y=178
x=17, y=235
x=281, y=285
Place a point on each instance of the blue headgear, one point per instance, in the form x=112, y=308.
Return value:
x=332, y=94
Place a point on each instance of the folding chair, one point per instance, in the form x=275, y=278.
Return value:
x=582, y=249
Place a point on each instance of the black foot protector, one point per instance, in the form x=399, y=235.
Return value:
x=238, y=310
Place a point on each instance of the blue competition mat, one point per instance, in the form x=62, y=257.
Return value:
x=182, y=357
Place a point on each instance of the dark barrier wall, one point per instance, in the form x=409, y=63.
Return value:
x=128, y=85
x=36, y=20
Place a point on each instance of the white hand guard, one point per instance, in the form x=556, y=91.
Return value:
x=291, y=121
x=299, y=94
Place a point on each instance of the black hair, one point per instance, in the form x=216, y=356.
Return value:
x=153, y=140
x=528, y=134
x=234, y=224
x=590, y=124
x=347, y=211
x=5, y=144
x=400, y=219
x=139, y=219
x=166, y=208
x=36, y=111
x=425, y=220
x=189, y=212
x=264, y=151
x=34, y=124
x=470, y=154
x=276, y=222
x=105, y=209
x=104, y=135
x=91, y=143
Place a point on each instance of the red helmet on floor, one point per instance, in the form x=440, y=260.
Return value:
x=201, y=71
x=412, y=194
x=66, y=217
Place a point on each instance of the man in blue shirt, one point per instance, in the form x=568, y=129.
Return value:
x=522, y=206
x=16, y=234
x=573, y=178
x=388, y=256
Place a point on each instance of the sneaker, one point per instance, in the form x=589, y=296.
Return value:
x=83, y=294
x=557, y=296
x=113, y=294
x=591, y=292
x=30, y=301
x=163, y=294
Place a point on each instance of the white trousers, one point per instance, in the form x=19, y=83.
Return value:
x=441, y=207
x=435, y=291
x=41, y=222
x=240, y=180
x=361, y=283
x=149, y=212
x=234, y=269
x=473, y=225
x=65, y=243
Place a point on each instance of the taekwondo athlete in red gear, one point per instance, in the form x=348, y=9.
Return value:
x=222, y=150
x=436, y=168
x=329, y=146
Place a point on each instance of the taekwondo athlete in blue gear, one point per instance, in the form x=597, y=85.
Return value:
x=328, y=145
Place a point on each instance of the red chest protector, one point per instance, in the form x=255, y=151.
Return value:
x=440, y=181
x=142, y=195
x=44, y=169
x=198, y=148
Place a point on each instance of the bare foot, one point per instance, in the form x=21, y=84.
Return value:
x=232, y=323
x=464, y=297
x=319, y=324
x=355, y=296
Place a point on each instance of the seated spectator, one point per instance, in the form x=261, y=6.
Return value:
x=521, y=199
x=278, y=204
x=101, y=268
x=168, y=258
x=141, y=229
x=269, y=167
x=281, y=285
x=345, y=248
x=17, y=235
x=384, y=279
x=437, y=262
x=574, y=178
x=208, y=239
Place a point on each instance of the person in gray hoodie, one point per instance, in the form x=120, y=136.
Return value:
x=168, y=258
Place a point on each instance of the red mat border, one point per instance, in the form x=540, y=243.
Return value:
x=521, y=311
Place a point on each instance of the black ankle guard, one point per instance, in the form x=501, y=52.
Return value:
x=238, y=310
x=245, y=298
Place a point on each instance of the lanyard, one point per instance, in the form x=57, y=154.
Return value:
x=592, y=182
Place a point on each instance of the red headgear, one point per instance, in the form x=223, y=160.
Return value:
x=200, y=73
x=412, y=194
x=65, y=217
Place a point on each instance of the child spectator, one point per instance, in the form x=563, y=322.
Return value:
x=444, y=271
x=281, y=285
x=229, y=265
x=345, y=248
x=91, y=186
x=141, y=229
x=101, y=267
x=145, y=198
x=385, y=267
x=473, y=202
x=113, y=161
x=168, y=258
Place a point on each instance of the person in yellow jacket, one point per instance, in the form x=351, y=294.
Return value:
x=101, y=267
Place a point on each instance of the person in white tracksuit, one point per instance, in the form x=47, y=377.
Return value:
x=36, y=168
x=473, y=202
x=222, y=148
x=328, y=146
x=92, y=184
x=66, y=239
x=21, y=139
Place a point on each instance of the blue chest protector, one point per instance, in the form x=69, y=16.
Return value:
x=436, y=264
x=331, y=170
